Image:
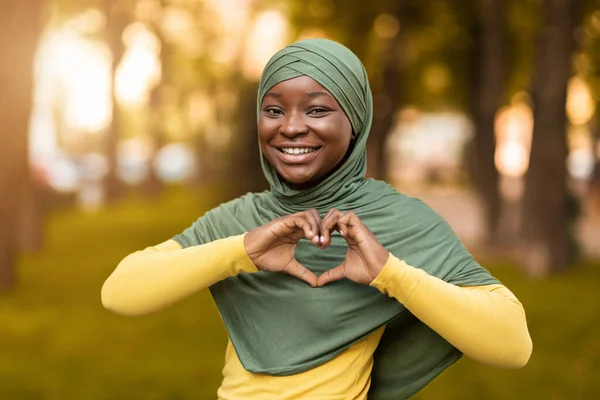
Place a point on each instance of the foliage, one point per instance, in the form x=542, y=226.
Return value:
x=59, y=343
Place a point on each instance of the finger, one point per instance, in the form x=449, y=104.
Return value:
x=302, y=221
x=335, y=274
x=343, y=224
x=293, y=227
x=294, y=268
x=315, y=220
x=329, y=223
x=356, y=229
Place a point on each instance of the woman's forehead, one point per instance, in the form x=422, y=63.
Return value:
x=301, y=84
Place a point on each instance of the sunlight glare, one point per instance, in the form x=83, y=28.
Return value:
x=512, y=159
x=82, y=67
x=268, y=34
x=580, y=104
x=89, y=22
x=177, y=24
x=514, y=127
x=139, y=71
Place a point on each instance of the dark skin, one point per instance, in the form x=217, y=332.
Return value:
x=301, y=114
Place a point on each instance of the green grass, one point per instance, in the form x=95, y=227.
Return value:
x=57, y=342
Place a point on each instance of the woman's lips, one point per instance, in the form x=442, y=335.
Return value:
x=296, y=158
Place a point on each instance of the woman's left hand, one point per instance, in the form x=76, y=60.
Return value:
x=366, y=257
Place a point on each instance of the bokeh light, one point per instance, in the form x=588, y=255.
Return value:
x=134, y=157
x=514, y=128
x=427, y=144
x=139, y=71
x=81, y=71
x=580, y=104
x=386, y=26
x=63, y=174
x=436, y=77
x=176, y=162
x=268, y=34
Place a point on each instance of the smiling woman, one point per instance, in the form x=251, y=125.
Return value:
x=329, y=284
x=303, y=131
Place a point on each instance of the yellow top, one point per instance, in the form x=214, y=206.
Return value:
x=488, y=322
x=348, y=376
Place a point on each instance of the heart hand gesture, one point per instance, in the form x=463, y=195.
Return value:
x=366, y=257
x=271, y=246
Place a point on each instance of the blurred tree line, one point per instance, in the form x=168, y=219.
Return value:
x=471, y=56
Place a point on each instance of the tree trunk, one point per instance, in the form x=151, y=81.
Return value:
x=545, y=221
x=386, y=99
x=116, y=21
x=153, y=187
x=246, y=168
x=20, y=26
x=31, y=216
x=488, y=72
x=593, y=192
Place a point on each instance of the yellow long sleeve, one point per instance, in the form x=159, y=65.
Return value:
x=151, y=279
x=486, y=323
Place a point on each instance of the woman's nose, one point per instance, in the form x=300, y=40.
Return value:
x=293, y=125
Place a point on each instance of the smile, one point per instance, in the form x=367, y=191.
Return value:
x=297, y=155
x=295, y=150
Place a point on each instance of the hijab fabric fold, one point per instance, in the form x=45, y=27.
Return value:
x=278, y=324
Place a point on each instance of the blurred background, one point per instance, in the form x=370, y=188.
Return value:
x=123, y=121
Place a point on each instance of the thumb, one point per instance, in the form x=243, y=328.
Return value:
x=336, y=274
x=294, y=268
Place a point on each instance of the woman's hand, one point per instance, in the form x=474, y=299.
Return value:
x=366, y=257
x=271, y=246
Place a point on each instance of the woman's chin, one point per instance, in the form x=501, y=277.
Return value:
x=300, y=182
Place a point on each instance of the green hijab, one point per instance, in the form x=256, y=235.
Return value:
x=278, y=324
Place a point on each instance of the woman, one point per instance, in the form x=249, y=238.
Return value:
x=331, y=286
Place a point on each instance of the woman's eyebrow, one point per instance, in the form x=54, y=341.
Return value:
x=317, y=94
x=276, y=95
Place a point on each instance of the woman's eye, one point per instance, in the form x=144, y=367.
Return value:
x=273, y=111
x=318, y=111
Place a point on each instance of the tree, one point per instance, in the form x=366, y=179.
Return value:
x=20, y=26
x=487, y=88
x=545, y=220
x=153, y=186
x=386, y=96
x=117, y=18
x=593, y=52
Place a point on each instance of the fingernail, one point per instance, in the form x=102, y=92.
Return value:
x=342, y=233
x=322, y=239
x=311, y=233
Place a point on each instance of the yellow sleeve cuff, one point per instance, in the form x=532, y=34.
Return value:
x=396, y=278
x=243, y=263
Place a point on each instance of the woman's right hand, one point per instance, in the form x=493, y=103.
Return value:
x=271, y=246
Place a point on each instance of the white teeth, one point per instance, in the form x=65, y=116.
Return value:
x=295, y=150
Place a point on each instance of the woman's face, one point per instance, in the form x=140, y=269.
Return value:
x=303, y=131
